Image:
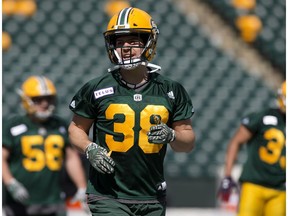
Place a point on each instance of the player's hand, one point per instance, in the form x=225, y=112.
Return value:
x=226, y=187
x=99, y=159
x=80, y=195
x=18, y=191
x=161, y=134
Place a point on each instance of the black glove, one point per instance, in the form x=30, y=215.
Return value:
x=99, y=159
x=161, y=134
x=226, y=187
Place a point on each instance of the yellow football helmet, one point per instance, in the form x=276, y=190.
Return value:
x=134, y=22
x=282, y=97
x=33, y=88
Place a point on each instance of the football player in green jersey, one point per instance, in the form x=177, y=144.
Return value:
x=35, y=145
x=263, y=178
x=135, y=113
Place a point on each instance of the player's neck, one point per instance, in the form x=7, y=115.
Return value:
x=136, y=76
x=36, y=120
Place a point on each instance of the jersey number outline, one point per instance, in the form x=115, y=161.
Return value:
x=126, y=127
x=271, y=153
x=36, y=159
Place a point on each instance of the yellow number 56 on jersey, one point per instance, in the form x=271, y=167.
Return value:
x=36, y=159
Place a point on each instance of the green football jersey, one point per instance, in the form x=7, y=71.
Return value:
x=123, y=118
x=266, y=161
x=36, y=156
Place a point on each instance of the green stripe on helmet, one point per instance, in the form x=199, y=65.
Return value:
x=123, y=16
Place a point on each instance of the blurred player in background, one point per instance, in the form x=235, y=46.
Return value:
x=263, y=179
x=35, y=145
x=136, y=112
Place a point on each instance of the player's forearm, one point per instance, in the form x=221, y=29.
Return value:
x=78, y=137
x=6, y=174
x=241, y=137
x=231, y=156
x=184, y=142
x=75, y=169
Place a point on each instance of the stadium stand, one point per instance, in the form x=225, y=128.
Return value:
x=270, y=41
x=64, y=41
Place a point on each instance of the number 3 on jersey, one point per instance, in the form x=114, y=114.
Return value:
x=126, y=127
x=271, y=154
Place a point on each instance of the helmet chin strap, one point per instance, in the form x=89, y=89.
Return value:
x=153, y=67
x=127, y=64
x=131, y=64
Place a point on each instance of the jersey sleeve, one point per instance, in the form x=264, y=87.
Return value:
x=7, y=138
x=63, y=129
x=251, y=121
x=81, y=104
x=183, y=108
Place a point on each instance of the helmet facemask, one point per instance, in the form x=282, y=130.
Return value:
x=148, y=42
x=44, y=115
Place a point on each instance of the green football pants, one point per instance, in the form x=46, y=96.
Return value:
x=109, y=207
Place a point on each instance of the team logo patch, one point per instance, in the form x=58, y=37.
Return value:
x=171, y=95
x=137, y=97
x=62, y=130
x=103, y=92
x=72, y=104
x=42, y=131
x=246, y=121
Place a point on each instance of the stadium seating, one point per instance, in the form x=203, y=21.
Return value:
x=271, y=39
x=64, y=41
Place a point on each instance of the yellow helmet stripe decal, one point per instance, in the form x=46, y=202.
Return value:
x=123, y=17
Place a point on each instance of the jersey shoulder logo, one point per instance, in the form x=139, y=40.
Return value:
x=103, y=92
x=270, y=120
x=246, y=121
x=19, y=129
x=171, y=95
x=72, y=104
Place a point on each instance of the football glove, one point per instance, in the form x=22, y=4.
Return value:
x=80, y=195
x=161, y=134
x=18, y=191
x=99, y=159
x=226, y=187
